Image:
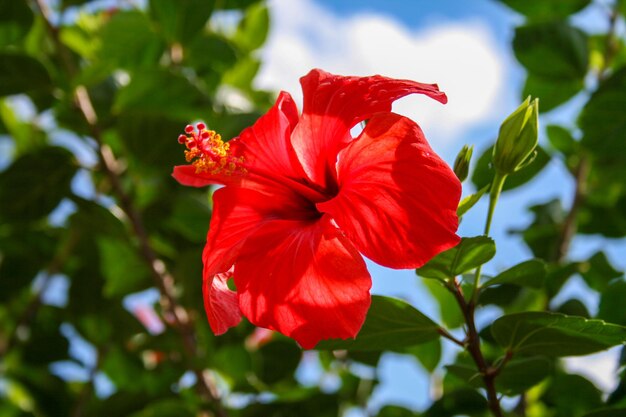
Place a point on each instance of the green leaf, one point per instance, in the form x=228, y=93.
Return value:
x=552, y=92
x=211, y=56
x=470, y=253
x=557, y=43
x=391, y=324
x=122, y=268
x=15, y=21
x=553, y=334
x=484, y=172
x=20, y=73
x=516, y=377
x=458, y=402
x=253, y=28
x=278, y=360
x=598, y=271
x=428, y=354
x=45, y=342
x=562, y=140
x=190, y=216
x=608, y=412
x=395, y=411
x=129, y=41
x=166, y=408
x=469, y=201
x=527, y=274
x=24, y=195
x=612, y=303
x=449, y=310
x=145, y=94
x=546, y=10
x=574, y=307
x=181, y=20
x=571, y=395
x=602, y=119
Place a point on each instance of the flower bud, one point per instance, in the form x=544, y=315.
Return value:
x=462, y=162
x=517, y=138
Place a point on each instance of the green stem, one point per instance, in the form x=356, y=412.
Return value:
x=494, y=195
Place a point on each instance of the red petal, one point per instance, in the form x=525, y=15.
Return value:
x=303, y=279
x=397, y=200
x=220, y=303
x=266, y=146
x=334, y=104
x=186, y=175
x=238, y=212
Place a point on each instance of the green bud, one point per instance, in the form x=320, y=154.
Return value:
x=517, y=138
x=462, y=162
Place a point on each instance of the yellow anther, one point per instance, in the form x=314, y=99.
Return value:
x=208, y=152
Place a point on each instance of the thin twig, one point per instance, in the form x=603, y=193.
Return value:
x=472, y=344
x=162, y=277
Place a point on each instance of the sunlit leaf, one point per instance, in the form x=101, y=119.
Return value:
x=470, y=253
x=553, y=334
x=526, y=274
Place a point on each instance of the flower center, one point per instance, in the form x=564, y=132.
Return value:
x=209, y=153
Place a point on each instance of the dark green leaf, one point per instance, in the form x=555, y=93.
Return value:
x=608, y=220
x=15, y=21
x=395, y=411
x=151, y=139
x=20, y=73
x=166, y=408
x=527, y=274
x=612, y=303
x=24, y=195
x=551, y=92
x=190, y=216
x=561, y=139
x=122, y=268
x=129, y=41
x=557, y=43
x=571, y=395
x=428, y=354
x=608, y=412
x=517, y=376
x=145, y=94
x=598, y=271
x=546, y=10
x=23, y=253
x=278, y=360
x=45, y=342
x=484, y=172
x=312, y=405
x=603, y=120
x=458, y=402
x=574, y=307
x=553, y=334
x=391, y=324
x=181, y=20
x=470, y=253
x=211, y=56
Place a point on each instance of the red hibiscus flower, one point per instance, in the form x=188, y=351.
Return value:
x=302, y=198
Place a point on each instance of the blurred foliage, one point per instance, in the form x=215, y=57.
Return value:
x=68, y=218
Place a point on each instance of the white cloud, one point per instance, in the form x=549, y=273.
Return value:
x=461, y=57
